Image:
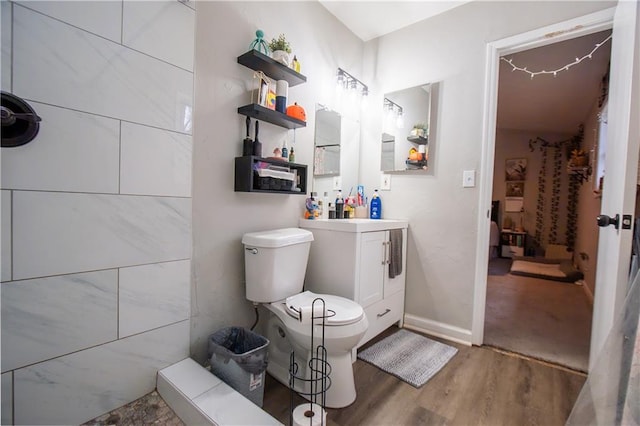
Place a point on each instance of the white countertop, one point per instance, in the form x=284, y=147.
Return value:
x=353, y=225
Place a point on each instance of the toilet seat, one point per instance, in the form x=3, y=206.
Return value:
x=346, y=311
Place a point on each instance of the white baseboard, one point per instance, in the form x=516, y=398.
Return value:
x=438, y=329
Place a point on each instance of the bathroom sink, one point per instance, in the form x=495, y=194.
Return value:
x=353, y=225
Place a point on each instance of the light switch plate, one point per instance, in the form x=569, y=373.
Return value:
x=337, y=183
x=385, y=182
x=468, y=178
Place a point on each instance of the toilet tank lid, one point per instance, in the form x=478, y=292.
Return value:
x=277, y=237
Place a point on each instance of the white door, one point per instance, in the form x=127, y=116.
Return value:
x=372, y=266
x=621, y=172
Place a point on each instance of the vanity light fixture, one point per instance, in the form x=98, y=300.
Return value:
x=394, y=109
x=346, y=81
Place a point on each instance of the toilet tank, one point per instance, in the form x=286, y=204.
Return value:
x=275, y=263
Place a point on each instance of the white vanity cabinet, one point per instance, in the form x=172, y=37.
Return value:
x=350, y=258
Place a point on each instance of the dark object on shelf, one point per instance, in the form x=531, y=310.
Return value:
x=20, y=123
x=274, y=117
x=257, y=145
x=582, y=174
x=258, y=61
x=282, y=177
x=247, y=143
x=420, y=140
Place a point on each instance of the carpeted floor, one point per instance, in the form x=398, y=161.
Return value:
x=542, y=319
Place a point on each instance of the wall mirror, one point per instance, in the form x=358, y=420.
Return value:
x=336, y=151
x=409, y=128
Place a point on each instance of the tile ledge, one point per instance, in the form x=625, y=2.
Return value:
x=171, y=382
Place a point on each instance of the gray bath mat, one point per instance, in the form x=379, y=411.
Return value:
x=409, y=356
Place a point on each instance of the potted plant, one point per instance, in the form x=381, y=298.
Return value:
x=280, y=49
x=419, y=129
x=578, y=158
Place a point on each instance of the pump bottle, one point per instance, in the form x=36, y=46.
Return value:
x=339, y=205
x=375, y=206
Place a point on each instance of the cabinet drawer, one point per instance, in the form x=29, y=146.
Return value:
x=381, y=315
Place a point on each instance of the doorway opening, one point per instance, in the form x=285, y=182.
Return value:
x=540, y=284
x=518, y=198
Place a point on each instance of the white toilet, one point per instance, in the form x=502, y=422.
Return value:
x=275, y=266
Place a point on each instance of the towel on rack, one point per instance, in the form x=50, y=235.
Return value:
x=395, y=252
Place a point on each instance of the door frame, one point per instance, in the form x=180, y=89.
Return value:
x=577, y=27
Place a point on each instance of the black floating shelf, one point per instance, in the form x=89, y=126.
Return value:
x=260, y=62
x=420, y=140
x=270, y=116
x=420, y=164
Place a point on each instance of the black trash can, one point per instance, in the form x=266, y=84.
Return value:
x=239, y=358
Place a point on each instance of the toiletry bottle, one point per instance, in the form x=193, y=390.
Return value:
x=375, y=206
x=285, y=150
x=292, y=156
x=339, y=205
x=332, y=211
x=325, y=205
x=295, y=64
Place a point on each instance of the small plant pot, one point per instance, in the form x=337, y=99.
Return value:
x=281, y=56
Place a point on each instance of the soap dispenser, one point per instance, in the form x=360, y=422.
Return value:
x=339, y=205
x=375, y=206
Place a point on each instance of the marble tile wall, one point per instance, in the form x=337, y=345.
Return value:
x=96, y=210
x=7, y=398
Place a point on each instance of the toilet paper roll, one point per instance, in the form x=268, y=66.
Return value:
x=282, y=88
x=309, y=415
x=307, y=313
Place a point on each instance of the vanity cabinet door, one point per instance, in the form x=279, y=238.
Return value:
x=372, y=266
x=396, y=284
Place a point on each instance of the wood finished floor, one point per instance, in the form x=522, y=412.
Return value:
x=479, y=386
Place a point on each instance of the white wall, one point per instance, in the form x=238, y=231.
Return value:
x=96, y=210
x=221, y=216
x=442, y=215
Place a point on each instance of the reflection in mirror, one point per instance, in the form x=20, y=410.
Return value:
x=388, y=149
x=326, y=160
x=409, y=128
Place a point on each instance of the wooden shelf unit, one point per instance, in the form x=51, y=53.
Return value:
x=270, y=116
x=247, y=180
x=419, y=140
x=275, y=70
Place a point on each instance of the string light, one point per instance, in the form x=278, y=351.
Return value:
x=555, y=72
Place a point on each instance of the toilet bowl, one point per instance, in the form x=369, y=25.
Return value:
x=301, y=323
x=342, y=332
